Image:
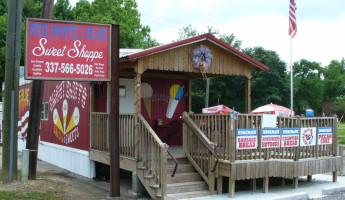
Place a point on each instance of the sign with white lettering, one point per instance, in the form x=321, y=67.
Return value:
x=290, y=137
x=270, y=138
x=64, y=50
x=325, y=135
x=247, y=138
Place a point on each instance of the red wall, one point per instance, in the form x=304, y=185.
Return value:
x=65, y=130
x=159, y=106
x=100, y=97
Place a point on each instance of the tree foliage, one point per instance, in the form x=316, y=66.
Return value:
x=307, y=85
x=269, y=86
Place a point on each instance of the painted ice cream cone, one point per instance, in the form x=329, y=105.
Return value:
x=74, y=120
x=64, y=114
x=146, y=94
x=176, y=94
x=57, y=120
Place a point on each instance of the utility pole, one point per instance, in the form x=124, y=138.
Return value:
x=36, y=106
x=10, y=128
x=208, y=79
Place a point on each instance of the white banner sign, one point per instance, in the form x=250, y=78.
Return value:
x=325, y=135
x=270, y=138
x=290, y=137
x=308, y=136
x=247, y=138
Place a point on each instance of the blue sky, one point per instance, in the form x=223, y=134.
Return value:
x=320, y=23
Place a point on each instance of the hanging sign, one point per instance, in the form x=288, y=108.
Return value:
x=65, y=50
x=247, y=138
x=308, y=136
x=270, y=138
x=325, y=135
x=290, y=137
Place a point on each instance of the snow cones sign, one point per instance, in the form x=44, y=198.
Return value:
x=62, y=50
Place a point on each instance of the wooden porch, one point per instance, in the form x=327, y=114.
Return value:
x=143, y=152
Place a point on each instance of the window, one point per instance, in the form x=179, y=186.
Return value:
x=44, y=113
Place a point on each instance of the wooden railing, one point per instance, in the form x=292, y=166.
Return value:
x=100, y=130
x=152, y=154
x=222, y=130
x=199, y=151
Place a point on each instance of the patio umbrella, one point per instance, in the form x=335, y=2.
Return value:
x=220, y=109
x=273, y=109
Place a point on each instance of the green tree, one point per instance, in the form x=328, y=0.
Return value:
x=339, y=104
x=334, y=76
x=63, y=11
x=123, y=12
x=269, y=86
x=307, y=86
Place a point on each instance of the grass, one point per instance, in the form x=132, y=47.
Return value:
x=341, y=132
x=30, y=195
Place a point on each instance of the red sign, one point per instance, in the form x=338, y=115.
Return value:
x=62, y=50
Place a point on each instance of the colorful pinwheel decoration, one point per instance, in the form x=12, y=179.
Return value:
x=201, y=56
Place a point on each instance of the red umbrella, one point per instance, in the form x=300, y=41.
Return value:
x=220, y=109
x=273, y=109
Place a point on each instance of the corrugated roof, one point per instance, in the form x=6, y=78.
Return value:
x=208, y=37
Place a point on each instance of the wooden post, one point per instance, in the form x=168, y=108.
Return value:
x=231, y=188
x=36, y=106
x=10, y=107
x=309, y=178
x=189, y=96
x=295, y=182
x=265, y=184
x=185, y=138
x=334, y=143
x=211, y=175
x=247, y=92
x=220, y=185
x=283, y=181
x=335, y=176
x=341, y=152
x=164, y=172
x=253, y=184
x=114, y=114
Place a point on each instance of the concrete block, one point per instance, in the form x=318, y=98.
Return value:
x=332, y=190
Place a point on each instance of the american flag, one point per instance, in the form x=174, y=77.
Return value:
x=292, y=19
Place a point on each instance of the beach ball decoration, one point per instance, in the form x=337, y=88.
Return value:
x=202, y=56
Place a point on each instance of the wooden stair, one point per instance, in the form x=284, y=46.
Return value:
x=187, y=182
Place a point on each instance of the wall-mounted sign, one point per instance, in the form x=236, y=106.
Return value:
x=247, y=138
x=270, y=138
x=290, y=137
x=325, y=135
x=64, y=50
x=308, y=136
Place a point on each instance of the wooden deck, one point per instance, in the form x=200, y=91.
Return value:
x=143, y=152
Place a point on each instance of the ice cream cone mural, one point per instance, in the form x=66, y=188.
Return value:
x=176, y=94
x=146, y=95
x=74, y=121
x=57, y=120
x=64, y=114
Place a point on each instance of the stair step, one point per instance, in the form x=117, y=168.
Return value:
x=186, y=187
x=184, y=177
x=188, y=195
x=181, y=168
x=182, y=160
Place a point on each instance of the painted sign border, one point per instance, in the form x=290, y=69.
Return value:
x=109, y=26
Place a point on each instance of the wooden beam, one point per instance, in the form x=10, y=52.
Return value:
x=248, y=95
x=265, y=184
x=220, y=185
x=231, y=188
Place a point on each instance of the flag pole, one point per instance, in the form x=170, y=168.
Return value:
x=291, y=79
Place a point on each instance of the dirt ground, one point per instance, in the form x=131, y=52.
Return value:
x=65, y=185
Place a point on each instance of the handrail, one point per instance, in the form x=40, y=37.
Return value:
x=155, y=136
x=204, y=143
x=176, y=163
